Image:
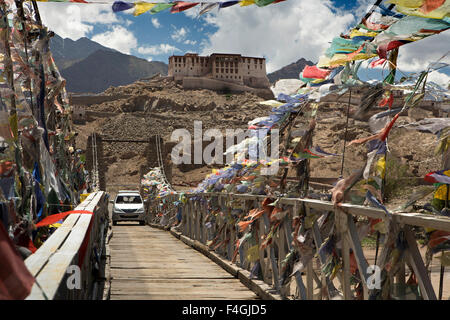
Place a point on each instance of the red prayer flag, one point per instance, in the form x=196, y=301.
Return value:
x=56, y=217
x=313, y=72
x=430, y=5
x=182, y=5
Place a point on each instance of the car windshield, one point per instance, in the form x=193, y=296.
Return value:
x=128, y=199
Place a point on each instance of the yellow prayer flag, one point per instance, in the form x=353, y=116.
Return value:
x=381, y=167
x=407, y=3
x=361, y=32
x=245, y=3
x=142, y=7
x=438, y=13
x=441, y=192
x=253, y=253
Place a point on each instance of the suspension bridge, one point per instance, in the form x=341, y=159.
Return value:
x=200, y=257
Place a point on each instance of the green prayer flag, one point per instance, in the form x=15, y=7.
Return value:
x=262, y=3
x=160, y=7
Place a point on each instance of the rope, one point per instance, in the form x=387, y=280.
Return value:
x=161, y=161
x=346, y=130
x=95, y=163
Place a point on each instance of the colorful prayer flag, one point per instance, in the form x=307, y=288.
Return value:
x=182, y=5
x=142, y=7
x=442, y=176
x=121, y=6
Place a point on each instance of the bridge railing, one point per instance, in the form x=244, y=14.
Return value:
x=68, y=265
x=211, y=219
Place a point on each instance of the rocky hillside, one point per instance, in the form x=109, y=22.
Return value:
x=160, y=107
x=290, y=71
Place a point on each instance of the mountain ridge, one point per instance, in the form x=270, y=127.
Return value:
x=90, y=67
x=291, y=71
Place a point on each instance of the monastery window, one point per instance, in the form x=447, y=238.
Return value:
x=235, y=70
x=221, y=70
x=217, y=70
x=231, y=70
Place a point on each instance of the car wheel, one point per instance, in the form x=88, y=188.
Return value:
x=142, y=223
x=114, y=223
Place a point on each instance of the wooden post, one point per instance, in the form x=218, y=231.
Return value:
x=298, y=276
x=342, y=228
x=359, y=254
x=415, y=259
x=262, y=259
x=275, y=278
x=332, y=292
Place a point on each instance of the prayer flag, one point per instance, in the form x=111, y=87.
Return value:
x=142, y=7
x=121, y=6
x=182, y=5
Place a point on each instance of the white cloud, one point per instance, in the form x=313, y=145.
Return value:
x=190, y=42
x=117, y=38
x=155, y=50
x=283, y=33
x=418, y=55
x=439, y=78
x=156, y=23
x=75, y=20
x=179, y=35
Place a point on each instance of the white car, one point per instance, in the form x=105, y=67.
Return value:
x=128, y=206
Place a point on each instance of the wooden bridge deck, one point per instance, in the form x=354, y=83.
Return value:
x=150, y=264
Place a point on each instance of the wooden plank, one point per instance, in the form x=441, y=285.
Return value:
x=341, y=223
x=332, y=291
x=39, y=259
x=179, y=272
x=359, y=254
x=51, y=276
x=49, y=263
x=309, y=281
x=298, y=276
x=175, y=296
x=414, y=219
x=413, y=255
x=275, y=273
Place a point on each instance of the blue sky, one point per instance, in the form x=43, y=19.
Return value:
x=282, y=32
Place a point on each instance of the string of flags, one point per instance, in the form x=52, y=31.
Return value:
x=387, y=26
x=141, y=7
